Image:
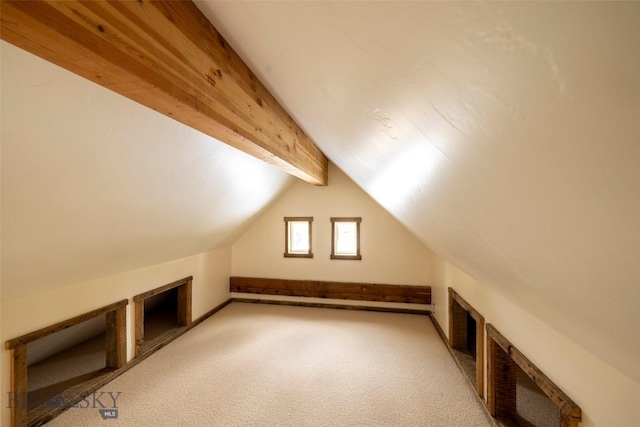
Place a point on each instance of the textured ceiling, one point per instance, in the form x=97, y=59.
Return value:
x=94, y=184
x=504, y=135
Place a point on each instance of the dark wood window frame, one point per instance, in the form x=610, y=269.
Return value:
x=334, y=255
x=184, y=316
x=457, y=303
x=116, y=354
x=287, y=247
x=502, y=357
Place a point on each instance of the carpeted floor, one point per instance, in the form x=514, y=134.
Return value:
x=266, y=365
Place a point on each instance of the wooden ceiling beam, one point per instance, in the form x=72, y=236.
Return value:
x=167, y=56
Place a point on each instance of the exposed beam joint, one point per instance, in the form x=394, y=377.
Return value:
x=167, y=56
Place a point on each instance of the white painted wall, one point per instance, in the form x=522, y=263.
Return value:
x=210, y=271
x=504, y=135
x=605, y=395
x=94, y=184
x=390, y=254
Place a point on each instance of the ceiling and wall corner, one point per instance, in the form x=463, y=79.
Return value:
x=94, y=184
x=390, y=253
x=503, y=135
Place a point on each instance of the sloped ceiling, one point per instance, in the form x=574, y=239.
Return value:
x=94, y=184
x=505, y=135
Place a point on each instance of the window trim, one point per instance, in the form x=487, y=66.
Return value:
x=115, y=357
x=357, y=220
x=287, y=220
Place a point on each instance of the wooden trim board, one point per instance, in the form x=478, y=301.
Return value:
x=468, y=307
x=161, y=289
x=20, y=404
x=455, y=298
x=445, y=341
x=78, y=392
x=32, y=336
x=115, y=335
x=184, y=304
x=334, y=290
x=570, y=412
x=116, y=339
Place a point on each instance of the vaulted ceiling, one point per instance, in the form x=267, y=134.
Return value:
x=503, y=135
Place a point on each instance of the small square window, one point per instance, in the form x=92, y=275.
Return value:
x=345, y=238
x=297, y=233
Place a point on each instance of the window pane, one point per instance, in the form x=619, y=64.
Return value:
x=346, y=238
x=299, y=237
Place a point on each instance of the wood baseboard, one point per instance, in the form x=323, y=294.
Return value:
x=333, y=290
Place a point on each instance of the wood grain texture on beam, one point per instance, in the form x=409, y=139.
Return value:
x=334, y=290
x=167, y=56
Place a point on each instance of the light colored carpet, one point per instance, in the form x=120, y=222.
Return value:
x=266, y=365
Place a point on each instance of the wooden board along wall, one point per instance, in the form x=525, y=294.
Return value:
x=334, y=290
x=570, y=412
x=18, y=398
x=458, y=309
x=184, y=309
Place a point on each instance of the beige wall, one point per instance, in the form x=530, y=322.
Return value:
x=210, y=271
x=606, y=396
x=390, y=254
x=94, y=184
